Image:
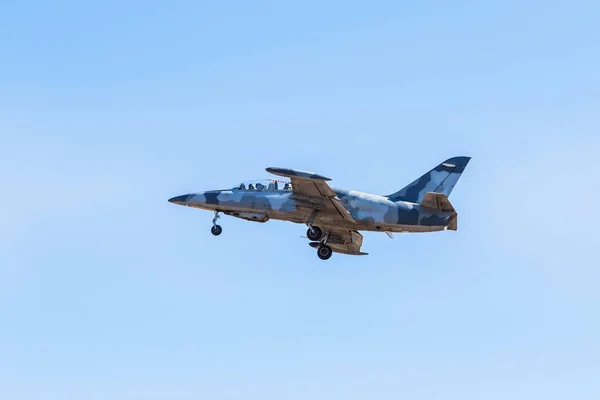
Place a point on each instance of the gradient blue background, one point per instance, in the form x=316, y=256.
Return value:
x=109, y=108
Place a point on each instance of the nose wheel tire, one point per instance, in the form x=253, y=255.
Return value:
x=324, y=252
x=314, y=233
x=216, y=230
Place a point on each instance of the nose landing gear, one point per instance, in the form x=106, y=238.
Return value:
x=216, y=229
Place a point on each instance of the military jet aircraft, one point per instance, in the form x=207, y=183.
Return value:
x=335, y=216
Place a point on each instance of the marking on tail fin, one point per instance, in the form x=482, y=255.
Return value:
x=441, y=185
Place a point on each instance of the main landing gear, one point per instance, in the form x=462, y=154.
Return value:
x=324, y=252
x=314, y=233
x=319, y=242
x=216, y=229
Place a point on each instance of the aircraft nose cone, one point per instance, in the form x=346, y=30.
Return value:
x=179, y=199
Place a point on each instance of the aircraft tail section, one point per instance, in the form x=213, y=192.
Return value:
x=437, y=201
x=440, y=202
x=440, y=179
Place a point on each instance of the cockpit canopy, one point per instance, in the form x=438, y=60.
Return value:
x=260, y=185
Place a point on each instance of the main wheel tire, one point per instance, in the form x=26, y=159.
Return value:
x=314, y=233
x=216, y=230
x=324, y=252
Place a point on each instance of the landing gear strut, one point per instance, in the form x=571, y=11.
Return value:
x=216, y=229
x=318, y=240
x=324, y=252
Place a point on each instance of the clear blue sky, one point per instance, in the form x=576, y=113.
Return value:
x=109, y=108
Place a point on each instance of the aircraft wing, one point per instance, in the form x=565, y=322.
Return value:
x=345, y=241
x=312, y=191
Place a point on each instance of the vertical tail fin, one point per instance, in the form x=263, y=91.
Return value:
x=441, y=179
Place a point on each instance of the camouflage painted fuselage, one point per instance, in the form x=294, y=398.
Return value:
x=370, y=212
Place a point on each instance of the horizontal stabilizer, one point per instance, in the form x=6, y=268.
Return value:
x=453, y=222
x=437, y=201
x=440, y=202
